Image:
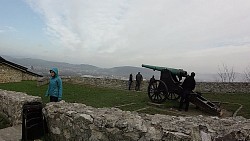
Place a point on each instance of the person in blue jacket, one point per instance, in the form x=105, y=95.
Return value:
x=55, y=86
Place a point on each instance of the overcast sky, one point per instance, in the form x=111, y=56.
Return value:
x=196, y=35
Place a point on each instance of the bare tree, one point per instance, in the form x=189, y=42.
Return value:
x=226, y=74
x=247, y=74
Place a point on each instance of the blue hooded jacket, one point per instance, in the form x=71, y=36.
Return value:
x=55, y=85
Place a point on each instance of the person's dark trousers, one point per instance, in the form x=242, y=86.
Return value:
x=53, y=99
x=187, y=100
x=129, y=85
x=184, y=99
x=137, y=87
x=181, y=102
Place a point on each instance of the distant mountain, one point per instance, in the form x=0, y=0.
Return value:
x=42, y=67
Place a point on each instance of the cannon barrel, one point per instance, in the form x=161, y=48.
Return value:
x=178, y=72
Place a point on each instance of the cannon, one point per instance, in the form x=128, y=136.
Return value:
x=169, y=87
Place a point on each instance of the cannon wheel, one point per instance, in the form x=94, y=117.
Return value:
x=157, y=91
x=174, y=95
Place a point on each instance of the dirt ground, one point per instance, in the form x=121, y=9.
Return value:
x=193, y=111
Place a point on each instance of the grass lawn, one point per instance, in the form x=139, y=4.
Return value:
x=128, y=100
x=232, y=102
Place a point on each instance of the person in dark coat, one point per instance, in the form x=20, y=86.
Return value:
x=188, y=86
x=138, y=79
x=152, y=79
x=130, y=81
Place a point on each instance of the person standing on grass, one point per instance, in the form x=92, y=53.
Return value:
x=55, y=86
x=188, y=86
x=130, y=81
x=138, y=81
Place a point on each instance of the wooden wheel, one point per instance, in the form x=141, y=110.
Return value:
x=157, y=91
x=174, y=95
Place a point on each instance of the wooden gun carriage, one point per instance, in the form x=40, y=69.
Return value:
x=169, y=87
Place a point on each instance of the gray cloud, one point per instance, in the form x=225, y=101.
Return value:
x=194, y=34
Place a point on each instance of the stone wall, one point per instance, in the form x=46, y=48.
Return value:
x=218, y=87
x=8, y=74
x=27, y=76
x=105, y=82
x=74, y=121
x=11, y=104
x=42, y=81
x=204, y=87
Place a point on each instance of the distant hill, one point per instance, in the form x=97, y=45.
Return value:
x=42, y=67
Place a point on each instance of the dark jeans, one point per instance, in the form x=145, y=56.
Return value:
x=185, y=99
x=138, y=84
x=53, y=99
x=129, y=84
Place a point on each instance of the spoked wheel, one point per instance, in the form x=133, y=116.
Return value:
x=175, y=95
x=157, y=91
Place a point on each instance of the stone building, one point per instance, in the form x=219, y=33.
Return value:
x=11, y=72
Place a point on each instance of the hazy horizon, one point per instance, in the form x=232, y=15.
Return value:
x=198, y=36
x=200, y=77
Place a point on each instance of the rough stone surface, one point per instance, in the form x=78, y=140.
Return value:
x=11, y=104
x=105, y=82
x=218, y=87
x=42, y=81
x=9, y=74
x=74, y=121
x=13, y=133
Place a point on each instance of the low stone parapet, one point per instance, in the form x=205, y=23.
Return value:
x=106, y=82
x=42, y=81
x=223, y=87
x=74, y=121
x=11, y=104
x=203, y=87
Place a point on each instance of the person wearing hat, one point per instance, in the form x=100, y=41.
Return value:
x=55, y=86
x=188, y=86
